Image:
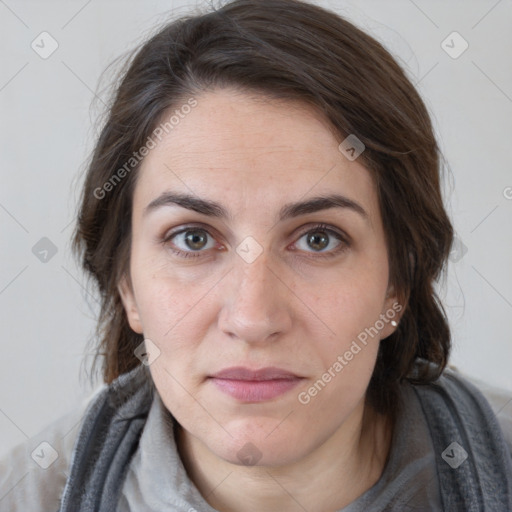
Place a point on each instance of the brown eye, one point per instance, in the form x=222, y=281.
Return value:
x=189, y=242
x=318, y=240
x=322, y=240
x=195, y=239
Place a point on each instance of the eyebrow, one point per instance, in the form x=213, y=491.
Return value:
x=288, y=211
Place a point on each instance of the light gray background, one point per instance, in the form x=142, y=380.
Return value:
x=47, y=130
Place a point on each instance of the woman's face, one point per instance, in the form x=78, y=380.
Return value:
x=240, y=275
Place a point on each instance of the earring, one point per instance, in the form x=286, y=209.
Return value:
x=393, y=323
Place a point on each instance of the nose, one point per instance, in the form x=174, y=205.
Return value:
x=256, y=302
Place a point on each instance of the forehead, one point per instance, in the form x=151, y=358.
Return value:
x=248, y=149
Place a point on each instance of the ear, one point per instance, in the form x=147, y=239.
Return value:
x=391, y=312
x=130, y=306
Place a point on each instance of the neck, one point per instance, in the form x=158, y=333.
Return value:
x=330, y=478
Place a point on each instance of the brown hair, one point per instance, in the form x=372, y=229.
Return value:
x=290, y=50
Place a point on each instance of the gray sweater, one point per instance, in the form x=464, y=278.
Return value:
x=447, y=453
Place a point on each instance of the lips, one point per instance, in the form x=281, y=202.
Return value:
x=242, y=373
x=250, y=386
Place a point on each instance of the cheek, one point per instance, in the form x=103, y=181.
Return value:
x=347, y=357
x=351, y=304
x=175, y=316
x=170, y=321
x=351, y=308
x=159, y=306
x=163, y=297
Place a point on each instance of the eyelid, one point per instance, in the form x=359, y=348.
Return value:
x=341, y=236
x=320, y=226
x=169, y=234
x=345, y=242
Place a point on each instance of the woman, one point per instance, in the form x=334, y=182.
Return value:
x=262, y=215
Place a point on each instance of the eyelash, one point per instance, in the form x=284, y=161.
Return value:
x=343, y=246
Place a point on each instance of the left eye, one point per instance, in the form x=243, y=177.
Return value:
x=320, y=238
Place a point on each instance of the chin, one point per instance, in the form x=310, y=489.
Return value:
x=258, y=449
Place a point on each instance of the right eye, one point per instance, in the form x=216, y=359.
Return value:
x=188, y=242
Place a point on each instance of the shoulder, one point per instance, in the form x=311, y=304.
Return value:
x=33, y=473
x=499, y=399
x=472, y=396
x=469, y=436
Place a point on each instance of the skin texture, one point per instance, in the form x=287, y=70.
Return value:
x=288, y=308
